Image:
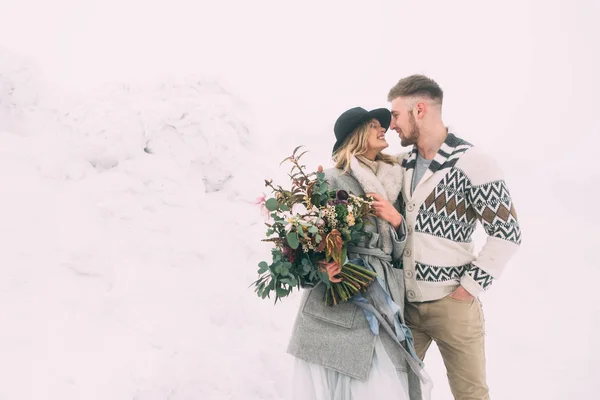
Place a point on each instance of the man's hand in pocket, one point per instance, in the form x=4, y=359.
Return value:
x=461, y=294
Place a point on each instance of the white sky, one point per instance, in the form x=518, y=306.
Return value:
x=518, y=75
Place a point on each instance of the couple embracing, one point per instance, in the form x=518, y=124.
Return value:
x=428, y=202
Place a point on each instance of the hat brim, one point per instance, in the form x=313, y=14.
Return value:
x=383, y=115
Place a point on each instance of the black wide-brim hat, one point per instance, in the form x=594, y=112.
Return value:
x=353, y=118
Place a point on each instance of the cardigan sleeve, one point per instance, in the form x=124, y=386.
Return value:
x=491, y=201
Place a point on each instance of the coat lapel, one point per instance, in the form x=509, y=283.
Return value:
x=387, y=183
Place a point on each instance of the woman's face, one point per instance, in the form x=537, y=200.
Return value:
x=376, y=141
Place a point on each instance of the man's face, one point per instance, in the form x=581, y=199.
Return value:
x=403, y=122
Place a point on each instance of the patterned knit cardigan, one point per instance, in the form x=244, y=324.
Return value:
x=461, y=186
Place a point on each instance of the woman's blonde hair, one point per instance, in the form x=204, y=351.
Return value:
x=357, y=145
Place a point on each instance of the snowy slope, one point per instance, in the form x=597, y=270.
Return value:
x=126, y=246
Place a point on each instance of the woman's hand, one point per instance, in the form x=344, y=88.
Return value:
x=386, y=211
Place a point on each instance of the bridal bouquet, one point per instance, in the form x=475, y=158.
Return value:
x=311, y=227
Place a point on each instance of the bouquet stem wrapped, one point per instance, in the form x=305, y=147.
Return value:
x=352, y=279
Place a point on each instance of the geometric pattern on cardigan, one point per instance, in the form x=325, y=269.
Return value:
x=431, y=273
x=451, y=211
x=496, y=211
x=447, y=212
x=446, y=157
x=480, y=276
x=453, y=208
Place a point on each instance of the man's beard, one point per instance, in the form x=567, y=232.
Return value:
x=413, y=135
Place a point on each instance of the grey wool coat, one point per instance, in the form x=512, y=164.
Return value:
x=339, y=337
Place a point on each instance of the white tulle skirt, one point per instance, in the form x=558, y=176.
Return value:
x=315, y=382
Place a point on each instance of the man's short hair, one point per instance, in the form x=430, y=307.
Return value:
x=417, y=85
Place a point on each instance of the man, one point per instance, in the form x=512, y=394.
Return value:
x=448, y=186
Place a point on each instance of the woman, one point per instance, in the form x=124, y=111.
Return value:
x=361, y=349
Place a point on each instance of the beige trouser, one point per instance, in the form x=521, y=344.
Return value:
x=458, y=330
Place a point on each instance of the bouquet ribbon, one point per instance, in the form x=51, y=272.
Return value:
x=386, y=309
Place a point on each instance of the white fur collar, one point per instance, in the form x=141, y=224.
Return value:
x=387, y=183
